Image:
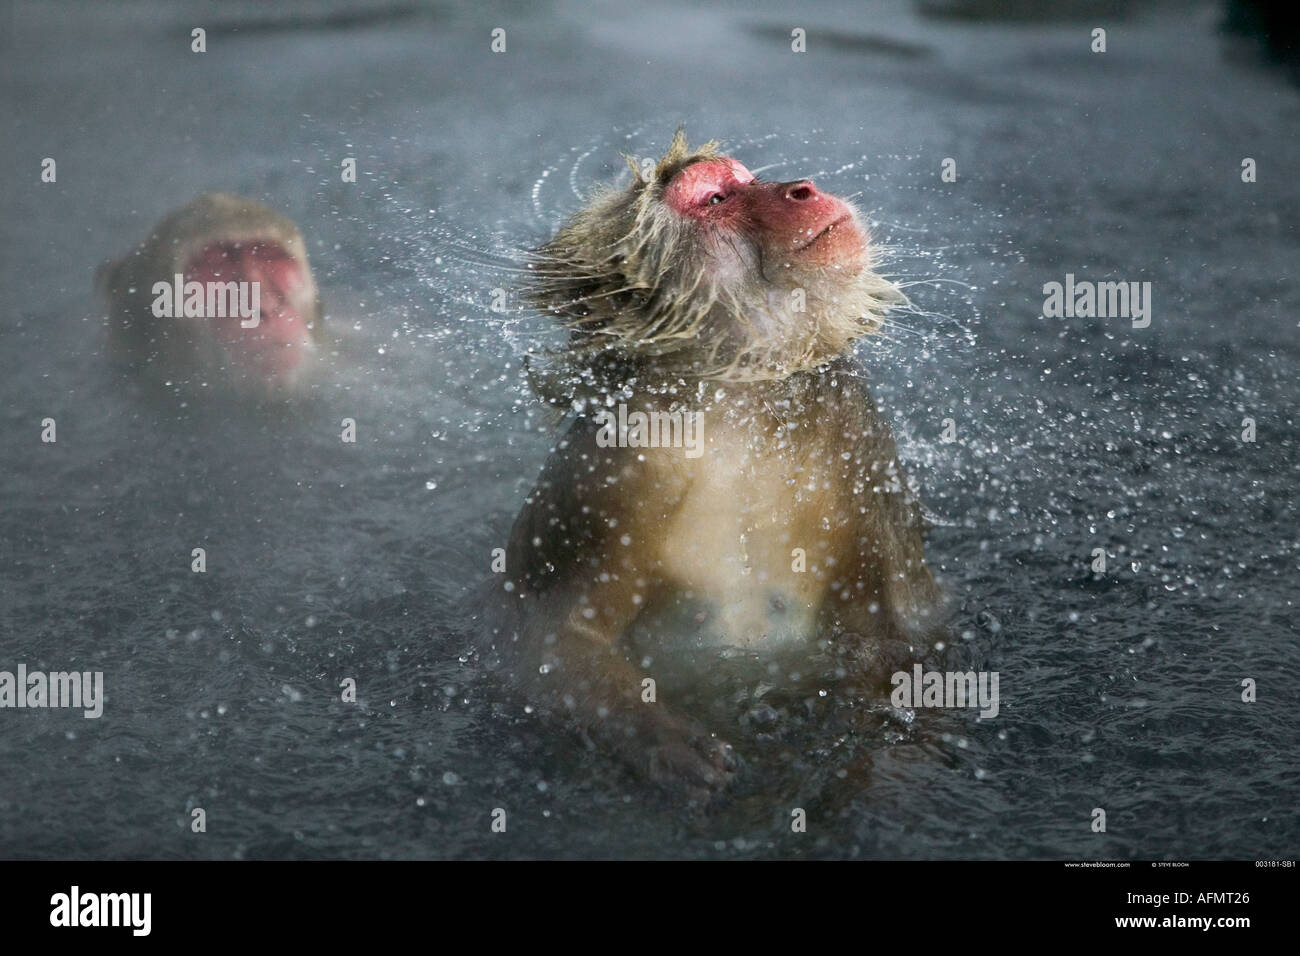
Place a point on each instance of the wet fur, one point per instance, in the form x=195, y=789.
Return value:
x=798, y=456
x=632, y=282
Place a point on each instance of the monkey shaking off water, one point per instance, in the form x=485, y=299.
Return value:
x=703, y=291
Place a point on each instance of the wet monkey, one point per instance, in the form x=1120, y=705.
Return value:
x=220, y=295
x=702, y=297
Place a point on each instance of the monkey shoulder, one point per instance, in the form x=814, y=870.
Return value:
x=587, y=498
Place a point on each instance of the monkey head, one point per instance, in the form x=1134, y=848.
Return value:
x=703, y=271
x=221, y=293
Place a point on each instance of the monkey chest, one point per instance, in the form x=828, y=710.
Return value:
x=747, y=554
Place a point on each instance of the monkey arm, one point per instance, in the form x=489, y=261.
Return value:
x=582, y=574
x=885, y=592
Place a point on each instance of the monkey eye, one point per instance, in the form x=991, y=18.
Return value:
x=704, y=184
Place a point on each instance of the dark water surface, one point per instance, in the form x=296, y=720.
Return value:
x=327, y=560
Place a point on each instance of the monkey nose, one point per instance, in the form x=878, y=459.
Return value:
x=801, y=191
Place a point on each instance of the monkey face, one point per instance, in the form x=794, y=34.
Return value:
x=220, y=296
x=271, y=345
x=793, y=224
x=702, y=271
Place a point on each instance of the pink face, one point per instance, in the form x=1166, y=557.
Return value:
x=794, y=218
x=275, y=347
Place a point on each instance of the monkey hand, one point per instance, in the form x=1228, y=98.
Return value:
x=687, y=761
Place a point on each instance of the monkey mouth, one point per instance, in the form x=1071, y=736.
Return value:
x=829, y=230
x=273, y=349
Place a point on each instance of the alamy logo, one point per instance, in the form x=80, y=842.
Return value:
x=1102, y=300
x=80, y=690
x=679, y=429
x=923, y=688
x=102, y=909
x=208, y=300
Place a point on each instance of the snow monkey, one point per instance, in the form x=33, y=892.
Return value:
x=219, y=295
x=727, y=490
